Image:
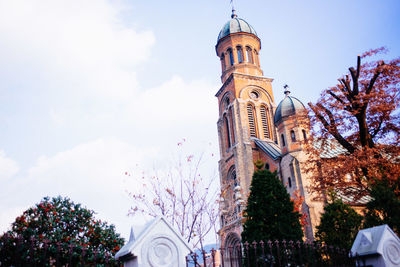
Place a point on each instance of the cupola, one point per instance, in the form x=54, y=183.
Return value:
x=238, y=48
x=236, y=25
x=289, y=106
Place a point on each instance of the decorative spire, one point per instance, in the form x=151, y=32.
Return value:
x=286, y=92
x=233, y=11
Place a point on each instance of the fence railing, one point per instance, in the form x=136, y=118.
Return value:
x=276, y=254
x=21, y=251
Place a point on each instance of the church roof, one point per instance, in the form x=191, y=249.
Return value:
x=347, y=196
x=329, y=148
x=288, y=106
x=235, y=25
x=269, y=147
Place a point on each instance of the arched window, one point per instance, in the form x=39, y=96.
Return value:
x=230, y=56
x=264, y=121
x=231, y=124
x=289, y=182
x=249, y=55
x=304, y=134
x=228, y=135
x=239, y=54
x=292, y=136
x=256, y=60
x=266, y=166
x=232, y=176
x=226, y=102
x=223, y=62
x=231, y=181
x=283, y=140
x=252, y=121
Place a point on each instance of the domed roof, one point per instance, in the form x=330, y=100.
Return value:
x=235, y=25
x=287, y=107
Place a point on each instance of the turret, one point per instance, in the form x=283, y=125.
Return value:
x=237, y=47
x=291, y=121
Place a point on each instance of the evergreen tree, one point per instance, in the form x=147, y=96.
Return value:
x=59, y=229
x=339, y=224
x=270, y=213
x=384, y=208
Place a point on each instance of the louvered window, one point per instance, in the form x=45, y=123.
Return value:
x=264, y=120
x=252, y=123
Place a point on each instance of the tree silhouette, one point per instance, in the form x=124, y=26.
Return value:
x=270, y=213
x=357, y=122
x=339, y=225
x=384, y=208
x=59, y=229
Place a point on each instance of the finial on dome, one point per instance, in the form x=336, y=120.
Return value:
x=233, y=11
x=286, y=92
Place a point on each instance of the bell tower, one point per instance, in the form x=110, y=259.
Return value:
x=246, y=108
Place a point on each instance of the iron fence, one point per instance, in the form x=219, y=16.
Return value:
x=33, y=252
x=275, y=254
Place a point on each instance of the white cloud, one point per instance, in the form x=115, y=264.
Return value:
x=176, y=101
x=172, y=110
x=8, y=167
x=80, y=45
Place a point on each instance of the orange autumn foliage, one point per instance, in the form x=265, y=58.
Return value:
x=298, y=201
x=358, y=120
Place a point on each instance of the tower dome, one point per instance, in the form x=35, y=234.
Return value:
x=287, y=107
x=236, y=25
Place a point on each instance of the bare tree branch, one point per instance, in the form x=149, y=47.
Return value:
x=331, y=128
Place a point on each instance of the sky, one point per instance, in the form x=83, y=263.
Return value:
x=92, y=89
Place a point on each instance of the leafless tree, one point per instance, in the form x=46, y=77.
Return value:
x=180, y=193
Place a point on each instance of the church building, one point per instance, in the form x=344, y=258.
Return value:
x=251, y=127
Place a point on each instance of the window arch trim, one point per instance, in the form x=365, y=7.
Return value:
x=249, y=55
x=229, y=51
x=223, y=62
x=227, y=132
x=293, y=136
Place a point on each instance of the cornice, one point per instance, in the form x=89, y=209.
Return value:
x=235, y=75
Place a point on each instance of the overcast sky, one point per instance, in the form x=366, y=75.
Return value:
x=91, y=89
